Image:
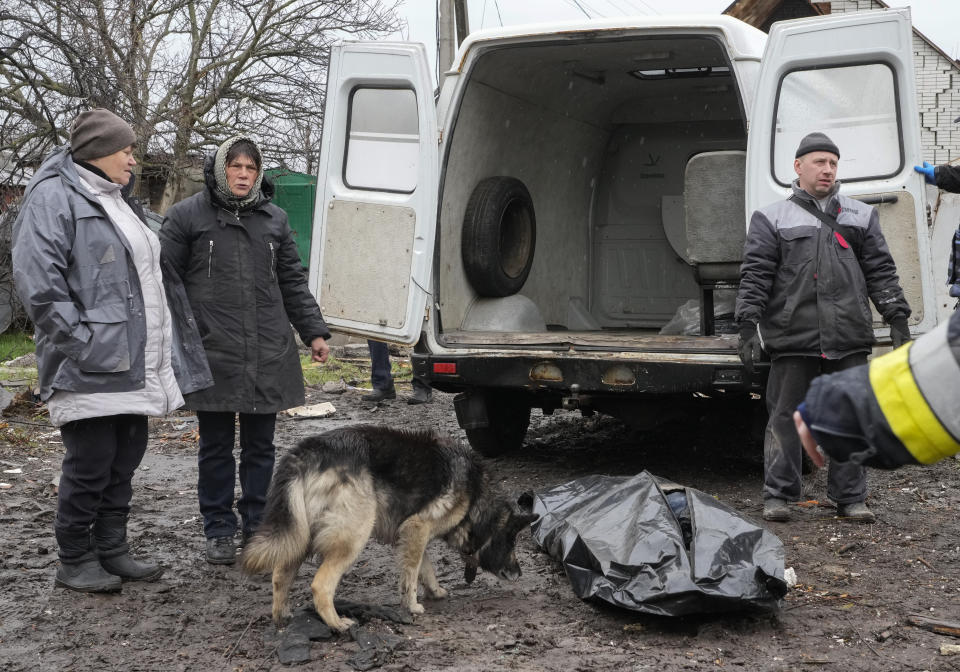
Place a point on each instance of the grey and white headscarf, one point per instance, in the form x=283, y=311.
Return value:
x=220, y=174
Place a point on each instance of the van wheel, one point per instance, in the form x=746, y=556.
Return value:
x=499, y=236
x=509, y=419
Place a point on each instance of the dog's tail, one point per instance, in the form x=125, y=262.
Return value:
x=283, y=539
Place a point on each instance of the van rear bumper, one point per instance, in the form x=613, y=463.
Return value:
x=600, y=374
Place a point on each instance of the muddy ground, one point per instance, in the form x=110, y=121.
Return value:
x=857, y=584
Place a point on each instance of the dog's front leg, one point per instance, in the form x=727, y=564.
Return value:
x=429, y=579
x=412, y=538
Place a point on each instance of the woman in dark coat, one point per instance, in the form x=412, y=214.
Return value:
x=235, y=252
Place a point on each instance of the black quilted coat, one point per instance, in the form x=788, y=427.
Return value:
x=246, y=286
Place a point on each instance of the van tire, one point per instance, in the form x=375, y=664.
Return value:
x=499, y=236
x=508, y=419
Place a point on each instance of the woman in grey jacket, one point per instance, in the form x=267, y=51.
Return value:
x=88, y=272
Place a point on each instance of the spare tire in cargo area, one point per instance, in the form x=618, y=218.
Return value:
x=499, y=236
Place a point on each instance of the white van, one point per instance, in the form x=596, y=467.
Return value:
x=576, y=188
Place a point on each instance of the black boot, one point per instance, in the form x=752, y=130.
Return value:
x=379, y=395
x=80, y=569
x=421, y=395
x=110, y=539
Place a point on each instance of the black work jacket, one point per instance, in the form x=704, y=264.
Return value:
x=948, y=178
x=246, y=285
x=807, y=288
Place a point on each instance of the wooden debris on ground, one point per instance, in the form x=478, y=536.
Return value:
x=951, y=628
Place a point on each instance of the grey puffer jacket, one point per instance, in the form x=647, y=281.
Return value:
x=806, y=288
x=76, y=278
x=246, y=286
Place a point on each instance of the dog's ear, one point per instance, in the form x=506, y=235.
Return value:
x=525, y=516
x=520, y=521
x=525, y=502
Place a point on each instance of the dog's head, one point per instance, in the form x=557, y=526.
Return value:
x=491, y=541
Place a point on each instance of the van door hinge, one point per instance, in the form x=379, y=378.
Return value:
x=439, y=136
x=426, y=313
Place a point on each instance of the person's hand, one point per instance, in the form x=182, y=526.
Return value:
x=319, y=350
x=749, y=347
x=927, y=169
x=806, y=438
x=899, y=332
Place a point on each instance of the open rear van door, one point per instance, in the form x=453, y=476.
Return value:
x=375, y=216
x=850, y=76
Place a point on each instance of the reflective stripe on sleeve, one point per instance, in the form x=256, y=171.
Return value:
x=916, y=387
x=937, y=373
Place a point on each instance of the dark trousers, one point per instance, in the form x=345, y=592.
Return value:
x=380, y=376
x=790, y=377
x=101, y=456
x=215, y=487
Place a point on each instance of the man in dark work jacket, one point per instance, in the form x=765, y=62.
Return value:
x=803, y=298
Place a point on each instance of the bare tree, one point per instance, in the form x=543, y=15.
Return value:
x=185, y=73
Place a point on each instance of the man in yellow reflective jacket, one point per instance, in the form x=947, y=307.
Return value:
x=901, y=408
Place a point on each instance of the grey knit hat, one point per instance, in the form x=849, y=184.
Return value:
x=817, y=142
x=98, y=133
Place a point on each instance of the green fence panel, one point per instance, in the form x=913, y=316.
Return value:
x=296, y=194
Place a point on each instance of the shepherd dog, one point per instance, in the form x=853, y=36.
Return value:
x=335, y=490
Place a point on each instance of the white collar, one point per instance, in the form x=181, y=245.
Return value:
x=97, y=184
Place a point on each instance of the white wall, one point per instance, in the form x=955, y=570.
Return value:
x=557, y=158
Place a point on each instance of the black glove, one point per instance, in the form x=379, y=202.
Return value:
x=899, y=331
x=749, y=347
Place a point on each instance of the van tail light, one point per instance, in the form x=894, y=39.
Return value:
x=445, y=367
